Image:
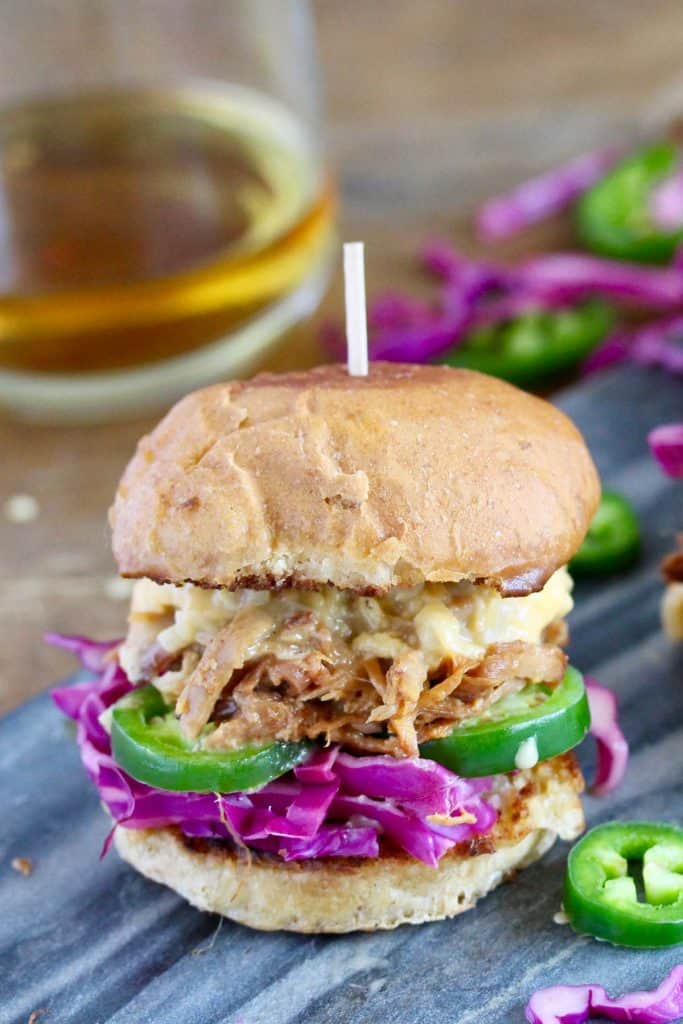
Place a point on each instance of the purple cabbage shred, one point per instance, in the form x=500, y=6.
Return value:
x=542, y=196
x=575, y=1004
x=474, y=294
x=666, y=202
x=656, y=344
x=666, y=444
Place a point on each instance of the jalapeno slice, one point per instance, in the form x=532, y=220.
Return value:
x=613, y=539
x=601, y=896
x=536, y=345
x=549, y=721
x=614, y=218
x=148, y=744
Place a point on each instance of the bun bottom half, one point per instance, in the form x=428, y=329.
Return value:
x=353, y=894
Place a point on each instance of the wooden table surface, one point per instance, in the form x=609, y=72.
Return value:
x=431, y=107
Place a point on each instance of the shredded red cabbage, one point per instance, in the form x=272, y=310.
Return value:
x=666, y=202
x=509, y=307
x=408, y=330
x=402, y=332
x=613, y=351
x=418, y=343
x=575, y=276
x=476, y=294
x=395, y=310
x=427, y=787
x=656, y=344
x=473, y=278
x=666, y=444
x=575, y=1004
x=441, y=259
x=473, y=295
x=542, y=196
x=553, y=279
x=334, y=805
x=611, y=742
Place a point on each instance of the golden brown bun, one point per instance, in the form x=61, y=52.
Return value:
x=414, y=473
x=343, y=895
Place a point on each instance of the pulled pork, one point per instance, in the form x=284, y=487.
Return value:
x=375, y=674
x=323, y=689
x=224, y=655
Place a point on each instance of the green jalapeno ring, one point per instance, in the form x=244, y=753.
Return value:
x=148, y=744
x=535, y=345
x=613, y=217
x=600, y=897
x=613, y=539
x=490, y=745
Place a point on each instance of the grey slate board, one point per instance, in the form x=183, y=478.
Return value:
x=94, y=942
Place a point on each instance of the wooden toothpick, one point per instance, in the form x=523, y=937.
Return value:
x=356, y=321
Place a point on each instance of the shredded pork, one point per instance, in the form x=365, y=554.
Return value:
x=370, y=705
x=378, y=676
x=223, y=656
x=371, y=709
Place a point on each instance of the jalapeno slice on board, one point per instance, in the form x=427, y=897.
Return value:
x=614, y=217
x=613, y=539
x=536, y=724
x=148, y=744
x=535, y=345
x=604, y=872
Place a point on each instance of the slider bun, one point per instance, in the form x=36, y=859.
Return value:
x=343, y=895
x=413, y=474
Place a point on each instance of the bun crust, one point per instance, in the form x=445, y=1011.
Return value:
x=413, y=474
x=343, y=895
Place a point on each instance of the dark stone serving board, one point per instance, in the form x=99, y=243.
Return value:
x=92, y=941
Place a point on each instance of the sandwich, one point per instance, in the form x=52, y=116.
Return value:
x=343, y=700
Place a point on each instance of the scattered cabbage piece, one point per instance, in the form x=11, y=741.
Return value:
x=666, y=444
x=574, y=1004
x=656, y=344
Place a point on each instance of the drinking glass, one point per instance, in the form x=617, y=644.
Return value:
x=165, y=213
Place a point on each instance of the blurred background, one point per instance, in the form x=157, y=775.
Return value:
x=175, y=180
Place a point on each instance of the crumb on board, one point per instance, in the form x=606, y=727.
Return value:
x=21, y=508
x=118, y=589
x=560, y=917
x=36, y=1014
x=24, y=865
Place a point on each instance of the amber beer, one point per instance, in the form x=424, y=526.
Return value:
x=137, y=225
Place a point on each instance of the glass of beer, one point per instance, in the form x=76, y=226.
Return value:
x=165, y=213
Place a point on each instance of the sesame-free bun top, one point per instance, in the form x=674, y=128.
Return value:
x=411, y=474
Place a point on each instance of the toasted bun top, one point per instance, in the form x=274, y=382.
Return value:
x=412, y=474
